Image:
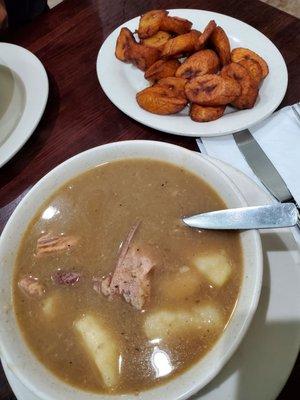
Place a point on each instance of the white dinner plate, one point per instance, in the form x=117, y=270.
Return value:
x=23, y=96
x=261, y=365
x=121, y=81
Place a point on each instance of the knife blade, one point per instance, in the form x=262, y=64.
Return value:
x=260, y=217
x=262, y=166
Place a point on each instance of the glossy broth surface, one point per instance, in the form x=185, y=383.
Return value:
x=98, y=208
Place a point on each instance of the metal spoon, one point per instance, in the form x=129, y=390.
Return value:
x=261, y=217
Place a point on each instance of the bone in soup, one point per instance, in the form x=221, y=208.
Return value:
x=111, y=291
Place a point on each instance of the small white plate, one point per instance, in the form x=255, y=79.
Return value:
x=261, y=365
x=121, y=81
x=23, y=96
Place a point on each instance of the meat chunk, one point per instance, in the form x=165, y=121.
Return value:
x=131, y=276
x=66, y=278
x=31, y=287
x=97, y=285
x=50, y=243
x=130, y=280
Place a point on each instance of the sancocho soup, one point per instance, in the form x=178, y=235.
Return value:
x=111, y=291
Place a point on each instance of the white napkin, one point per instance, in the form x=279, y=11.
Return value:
x=278, y=136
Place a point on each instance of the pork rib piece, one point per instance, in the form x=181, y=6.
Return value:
x=31, y=287
x=50, y=243
x=131, y=276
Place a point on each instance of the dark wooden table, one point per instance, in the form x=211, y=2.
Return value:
x=79, y=116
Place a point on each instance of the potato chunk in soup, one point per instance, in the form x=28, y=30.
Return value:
x=112, y=292
x=164, y=324
x=215, y=267
x=101, y=347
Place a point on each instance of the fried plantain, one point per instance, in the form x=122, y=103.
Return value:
x=201, y=63
x=205, y=114
x=203, y=38
x=162, y=69
x=249, y=89
x=159, y=100
x=158, y=40
x=175, y=25
x=174, y=85
x=212, y=90
x=150, y=23
x=180, y=45
x=124, y=41
x=128, y=50
x=220, y=43
x=241, y=53
x=143, y=56
x=253, y=68
x=198, y=80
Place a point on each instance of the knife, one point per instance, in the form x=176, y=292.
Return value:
x=259, y=217
x=263, y=168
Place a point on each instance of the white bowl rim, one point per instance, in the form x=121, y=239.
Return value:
x=9, y=358
x=34, y=82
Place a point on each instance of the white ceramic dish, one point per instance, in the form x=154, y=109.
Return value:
x=121, y=81
x=27, y=89
x=13, y=349
x=253, y=372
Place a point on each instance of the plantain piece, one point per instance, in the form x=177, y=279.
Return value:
x=124, y=41
x=161, y=69
x=166, y=324
x=241, y=53
x=150, y=23
x=158, y=40
x=50, y=305
x=253, y=68
x=181, y=283
x=181, y=45
x=203, y=38
x=128, y=50
x=221, y=45
x=215, y=267
x=175, y=25
x=212, y=90
x=143, y=56
x=249, y=89
x=174, y=85
x=159, y=100
x=100, y=347
x=205, y=114
x=201, y=63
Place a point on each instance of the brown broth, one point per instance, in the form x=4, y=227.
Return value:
x=99, y=207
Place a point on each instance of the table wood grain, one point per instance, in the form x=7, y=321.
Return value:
x=79, y=116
